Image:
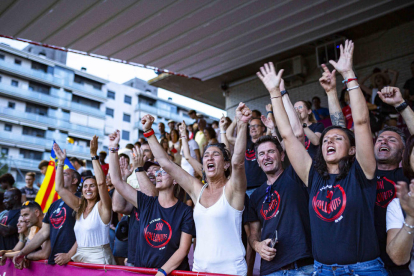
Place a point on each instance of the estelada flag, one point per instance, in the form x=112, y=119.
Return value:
x=47, y=193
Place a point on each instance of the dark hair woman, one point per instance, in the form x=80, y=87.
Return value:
x=342, y=188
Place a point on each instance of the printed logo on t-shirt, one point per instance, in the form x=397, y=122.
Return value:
x=136, y=215
x=58, y=217
x=250, y=155
x=158, y=233
x=4, y=220
x=307, y=143
x=385, y=191
x=271, y=209
x=329, y=203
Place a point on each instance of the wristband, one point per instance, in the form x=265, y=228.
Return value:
x=275, y=97
x=113, y=149
x=61, y=164
x=352, y=88
x=96, y=157
x=284, y=92
x=149, y=133
x=162, y=271
x=183, y=137
x=401, y=107
x=140, y=169
x=223, y=132
x=270, y=112
x=349, y=80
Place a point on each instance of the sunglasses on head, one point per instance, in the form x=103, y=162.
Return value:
x=26, y=203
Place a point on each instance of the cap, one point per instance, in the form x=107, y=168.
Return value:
x=171, y=121
x=148, y=164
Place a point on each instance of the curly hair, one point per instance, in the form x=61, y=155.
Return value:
x=7, y=178
x=226, y=155
x=344, y=164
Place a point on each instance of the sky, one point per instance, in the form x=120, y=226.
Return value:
x=120, y=73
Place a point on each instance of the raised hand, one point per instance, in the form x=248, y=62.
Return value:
x=61, y=155
x=269, y=108
x=391, y=95
x=114, y=139
x=183, y=129
x=94, y=145
x=243, y=113
x=147, y=121
x=268, y=122
x=126, y=171
x=328, y=79
x=406, y=195
x=268, y=76
x=344, y=64
x=138, y=157
x=222, y=123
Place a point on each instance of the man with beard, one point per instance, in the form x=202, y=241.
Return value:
x=8, y=224
x=57, y=226
x=145, y=173
x=279, y=209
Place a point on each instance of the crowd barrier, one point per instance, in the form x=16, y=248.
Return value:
x=82, y=269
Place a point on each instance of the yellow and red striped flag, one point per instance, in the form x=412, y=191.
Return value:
x=47, y=193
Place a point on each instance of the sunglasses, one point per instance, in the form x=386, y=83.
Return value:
x=162, y=172
x=268, y=194
x=26, y=203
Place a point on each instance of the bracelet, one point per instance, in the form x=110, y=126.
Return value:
x=409, y=232
x=149, y=133
x=275, y=97
x=162, y=271
x=223, y=132
x=113, y=149
x=284, y=92
x=409, y=226
x=349, y=80
x=96, y=157
x=184, y=137
x=351, y=88
x=270, y=112
x=401, y=107
x=61, y=164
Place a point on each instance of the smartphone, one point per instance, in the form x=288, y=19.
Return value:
x=273, y=239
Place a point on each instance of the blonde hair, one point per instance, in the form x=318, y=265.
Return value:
x=31, y=174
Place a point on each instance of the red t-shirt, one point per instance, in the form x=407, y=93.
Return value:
x=105, y=168
x=348, y=117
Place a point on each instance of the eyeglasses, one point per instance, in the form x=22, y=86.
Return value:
x=268, y=194
x=254, y=126
x=162, y=172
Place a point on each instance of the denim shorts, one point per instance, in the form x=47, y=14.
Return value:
x=299, y=271
x=374, y=267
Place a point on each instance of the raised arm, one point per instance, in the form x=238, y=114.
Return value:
x=125, y=190
x=223, y=132
x=190, y=184
x=67, y=196
x=328, y=83
x=298, y=156
x=230, y=131
x=198, y=168
x=392, y=96
x=363, y=136
x=145, y=184
x=105, y=204
x=365, y=88
x=238, y=182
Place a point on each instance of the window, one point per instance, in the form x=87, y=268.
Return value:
x=30, y=154
x=8, y=127
x=127, y=118
x=34, y=86
x=15, y=83
x=39, y=66
x=36, y=109
x=127, y=99
x=111, y=95
x=11, y=105
x=30, y=131
x=4, y=151
x=85, y=101
x=17, y=61
x=125, y=135
x=2, y=56
x=82, y=80
x=110, y=112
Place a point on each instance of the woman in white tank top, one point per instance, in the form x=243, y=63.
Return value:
x=219, y=203
x=93, y=211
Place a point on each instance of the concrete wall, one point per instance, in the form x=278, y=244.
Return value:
x=393, y=49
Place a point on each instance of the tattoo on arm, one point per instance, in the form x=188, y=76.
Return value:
x=338, y=119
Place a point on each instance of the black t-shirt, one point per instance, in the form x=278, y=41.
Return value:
x=287, y=212
x=62, y=221
x=133, y=234
x=254, y=174
x=30, y=193
x=114, y=219
x=385, y=194
x=342, y=217
x=245, y=219
x=409, y=85
x=311, y=148
x=10, y=219
x=160, y=231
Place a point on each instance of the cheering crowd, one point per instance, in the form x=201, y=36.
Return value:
x=328, y=191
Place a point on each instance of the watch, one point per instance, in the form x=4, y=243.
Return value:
x=283, y=92
x=96, y=157
x=304, y=125
x=401, y=107
x=140, y=169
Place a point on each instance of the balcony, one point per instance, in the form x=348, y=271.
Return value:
x=87, y=89
x=60, y=122
x=87, y=109
x=162, y=113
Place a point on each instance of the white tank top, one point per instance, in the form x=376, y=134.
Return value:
x=219, y=245
x=91, y=232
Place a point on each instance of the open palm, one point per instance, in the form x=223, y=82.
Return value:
x=268, y=76
x=344, y=64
